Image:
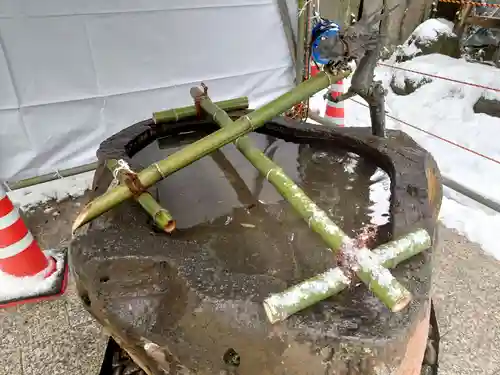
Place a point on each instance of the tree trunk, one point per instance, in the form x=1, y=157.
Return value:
x=401, y=22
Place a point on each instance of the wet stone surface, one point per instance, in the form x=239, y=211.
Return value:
x=196, y=295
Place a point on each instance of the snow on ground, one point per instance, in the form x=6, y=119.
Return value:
x=425, y=34
x=446, y=109
x=58, y=190
x=30, y=287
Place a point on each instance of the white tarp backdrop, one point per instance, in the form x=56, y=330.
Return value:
x=73, y=72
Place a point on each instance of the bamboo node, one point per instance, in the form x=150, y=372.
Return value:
x=122, y=166
x=58, y=175
x=130, y=178
x=268, y=173
x=159, y=170
x=6, y=185
x=134, y=184
x=249, y=120
x=311, y=218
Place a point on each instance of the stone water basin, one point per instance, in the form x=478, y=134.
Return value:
x=191, y=302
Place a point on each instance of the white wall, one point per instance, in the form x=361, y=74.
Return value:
x=73, y=72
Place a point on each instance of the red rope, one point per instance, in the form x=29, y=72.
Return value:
x=439, y=77
x=436, y=136
x=475, y=3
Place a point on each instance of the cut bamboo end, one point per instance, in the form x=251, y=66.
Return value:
x=273, y=315
x=163, y=219
x=76, y=224
x=170, y=227
x=80, y=219
x=402, y=303
x=379, y=279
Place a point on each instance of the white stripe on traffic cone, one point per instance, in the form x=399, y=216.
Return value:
x=335, y=110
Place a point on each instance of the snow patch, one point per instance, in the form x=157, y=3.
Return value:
x=430, y=30
x=27, y=287
x=446, y=109
x=59, y=190
x=317, y=103
x=471, y=219
x=425, y=34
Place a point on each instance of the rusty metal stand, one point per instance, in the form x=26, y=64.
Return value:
x=117, y=362
x=430, y=364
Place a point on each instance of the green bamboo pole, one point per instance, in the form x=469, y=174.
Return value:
x=51, y=176
x=288, y=29
x=378, y=279
x=162, y=218
x=301, y=41
x=280, y=306
x=177, y=114
x=210, y=143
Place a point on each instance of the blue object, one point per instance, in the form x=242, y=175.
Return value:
x=324, y=29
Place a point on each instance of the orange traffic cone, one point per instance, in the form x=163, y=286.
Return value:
x=335, y=111
x=315, y=69
x=27, y=274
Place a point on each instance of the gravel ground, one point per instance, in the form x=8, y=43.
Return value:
x=51, y=337
x=467, y=300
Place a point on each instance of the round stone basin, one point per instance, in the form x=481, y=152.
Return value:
x=191, y=302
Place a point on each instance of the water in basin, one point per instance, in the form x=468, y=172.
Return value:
x=222, y=201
